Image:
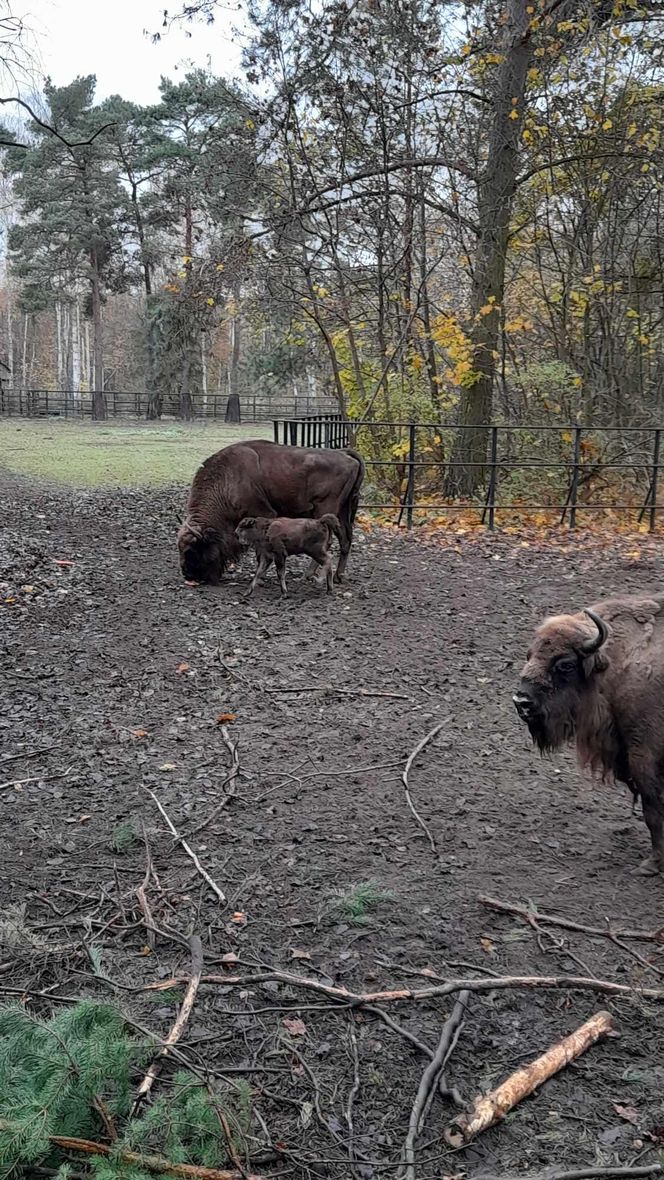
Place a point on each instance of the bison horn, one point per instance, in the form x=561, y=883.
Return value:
x=593, y=645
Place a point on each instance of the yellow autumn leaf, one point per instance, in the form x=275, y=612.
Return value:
x=210, y=302
x=514, y=114
x=607, y=124
x=249, y=123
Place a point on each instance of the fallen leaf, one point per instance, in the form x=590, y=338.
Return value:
x=28, y=589
x=298, y=954
x=306, y=1111
x=295, y=1026
x=83, y=819
x=239, y=917
x=629, y=1113
x=139, y=733
x=191, y=583
x=487, y=945
x=181, y=668
x=62, y=561
x=145, y=951
x=230, y=959
x=167, y=766
x=223, y=718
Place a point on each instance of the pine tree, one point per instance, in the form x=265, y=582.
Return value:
x=75, y=218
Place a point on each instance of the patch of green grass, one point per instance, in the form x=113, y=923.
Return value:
x=93, y=454
x=357, y=900
x=123, y=837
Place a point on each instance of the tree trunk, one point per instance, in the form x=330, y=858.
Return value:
x=186, y=408
x=10, y=350
x=99, y=407
x=76, y=352
x=154, y=382
x=236, y=343
x=496, y=195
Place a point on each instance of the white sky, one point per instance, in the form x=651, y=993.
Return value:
x=110, y=38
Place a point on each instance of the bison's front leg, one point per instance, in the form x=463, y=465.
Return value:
x=652, y=802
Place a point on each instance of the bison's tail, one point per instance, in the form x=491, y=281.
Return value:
x=333, y=525
x=354, y=497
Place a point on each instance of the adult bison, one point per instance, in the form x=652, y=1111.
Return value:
x=598, y=677
x=262, y=478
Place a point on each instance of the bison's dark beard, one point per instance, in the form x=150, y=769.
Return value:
x=206, y=560
x=553, y=724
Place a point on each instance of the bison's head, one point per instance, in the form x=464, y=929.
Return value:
x=201, y=558
x=251, y=529
x=565, y=654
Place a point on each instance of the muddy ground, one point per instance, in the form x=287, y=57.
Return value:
x=122, y=671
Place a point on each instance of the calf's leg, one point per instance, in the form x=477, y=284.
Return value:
x=263, y=566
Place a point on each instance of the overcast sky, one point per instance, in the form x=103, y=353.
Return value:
x=108, y=38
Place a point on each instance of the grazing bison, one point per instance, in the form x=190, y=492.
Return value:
x=276, y=539
x=598, y=677
x=264, y=479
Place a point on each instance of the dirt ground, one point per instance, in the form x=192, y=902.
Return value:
x=122, y=670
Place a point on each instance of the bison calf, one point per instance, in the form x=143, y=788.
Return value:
x=597, y=678
x=275, y=540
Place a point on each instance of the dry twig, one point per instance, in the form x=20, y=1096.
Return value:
x=522, y=911
x=358, y=999
x=203, y=872
x=411, y=758
x=489, y=1109
x=142, y=896
x=429, y=1082
x=150, y=1163
x=180, y=1022
x=341, y=692
x=230, y=781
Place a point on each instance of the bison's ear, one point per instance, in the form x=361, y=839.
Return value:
x=598, y=662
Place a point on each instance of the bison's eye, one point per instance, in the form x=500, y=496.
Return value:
x=565, y=666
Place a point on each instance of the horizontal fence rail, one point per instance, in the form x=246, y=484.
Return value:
x=122, y=403
x=572, y=469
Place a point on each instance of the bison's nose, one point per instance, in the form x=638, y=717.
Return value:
x=524, y=705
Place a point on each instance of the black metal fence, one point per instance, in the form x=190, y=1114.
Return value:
x=122, y=403
x=529, y=468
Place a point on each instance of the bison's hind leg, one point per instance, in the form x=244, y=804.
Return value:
x=652, y=803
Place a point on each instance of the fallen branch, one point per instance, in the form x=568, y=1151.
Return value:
x=429, y=1082
x=409, y=762
x=588, y=1173
x=203, y=872
x=142, y=895
x=489, y=1109
x=522, y=911
x=357, y=999
x=179, y=1025
x=342, y=692
x=35, y=778
x=151, y=1163
x=29, y=753
x=229, y=782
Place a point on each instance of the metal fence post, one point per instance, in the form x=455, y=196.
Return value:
x=574, y=487
x=275, y=430
x=411, y=476
x=493, y=480
x=653, y=486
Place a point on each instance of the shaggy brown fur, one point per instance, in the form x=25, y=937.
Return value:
x=275, y=540
x=610, y=700
x=264, y=479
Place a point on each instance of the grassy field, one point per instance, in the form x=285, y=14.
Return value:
x=89, y=454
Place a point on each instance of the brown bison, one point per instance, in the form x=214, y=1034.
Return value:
x=276, y=539
x=597, y=677
x=262, y=478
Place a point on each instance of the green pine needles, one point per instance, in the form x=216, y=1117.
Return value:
x=76, y=1073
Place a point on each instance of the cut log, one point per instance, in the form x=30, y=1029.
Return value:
x=488, y=1109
